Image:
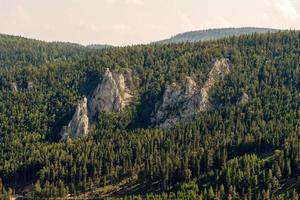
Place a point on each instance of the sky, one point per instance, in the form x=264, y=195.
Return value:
x=127, y=22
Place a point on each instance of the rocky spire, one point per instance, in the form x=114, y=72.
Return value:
x=79, y=125
x=184, y=100
x=111, y=94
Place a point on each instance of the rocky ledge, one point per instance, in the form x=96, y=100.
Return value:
x=184, y=100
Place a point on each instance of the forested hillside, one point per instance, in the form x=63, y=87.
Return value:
x=245, y=146
x=19, y=51
x=213, y=34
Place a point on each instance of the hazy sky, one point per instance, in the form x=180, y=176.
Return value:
x=123, y=22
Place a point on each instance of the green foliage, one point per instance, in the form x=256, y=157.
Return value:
x=234, y=151
x=213, y=34
x=17, y=51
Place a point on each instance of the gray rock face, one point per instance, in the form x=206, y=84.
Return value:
x=14, y=87
x=184, y=100
x=79, y=125
x=111, y=95
x=244, y=99
x=30, y=85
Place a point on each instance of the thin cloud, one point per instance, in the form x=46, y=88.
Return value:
x=186, y=22
x=134, y=2
x=121, y=28
x=110, y=1
x=286, y=8
x=217, y=21
x=122, y=22
x=127, y=2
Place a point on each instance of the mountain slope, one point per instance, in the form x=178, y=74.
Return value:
x=212, y=34
x=99, y=46
x=245, y=145
x=20, y=51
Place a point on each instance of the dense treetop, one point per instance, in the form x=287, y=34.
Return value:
x=235, y=151
x=213, y=34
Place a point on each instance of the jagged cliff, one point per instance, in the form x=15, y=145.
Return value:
x=181, y=100
x=184, y=100
x=79, y=125
x=111, y=95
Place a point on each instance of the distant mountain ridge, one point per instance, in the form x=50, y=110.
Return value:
x=204, y=120
x=211, y=34
x=22, y=51
x=98, y=46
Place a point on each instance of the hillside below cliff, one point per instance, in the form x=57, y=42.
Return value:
x=208, y=120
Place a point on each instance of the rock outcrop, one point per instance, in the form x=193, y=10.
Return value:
x=30, y=85
x=14, y=86
x=184, y=100
x=244, y=99
x=79, y=125
x=112, y=93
